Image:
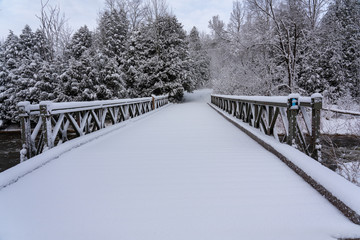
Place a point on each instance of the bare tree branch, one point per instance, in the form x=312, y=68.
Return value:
x=53, y=25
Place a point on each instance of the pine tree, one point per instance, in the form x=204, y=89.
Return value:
x=113, y=31
x=94, y=76
x=46, y=88
x=10, y=62
x=110, y=77
x=80, y=42
x=135, y=60
x=166, y=65
x=200, y=60
x=340, y=32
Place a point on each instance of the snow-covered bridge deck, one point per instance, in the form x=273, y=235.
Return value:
x=181, y=173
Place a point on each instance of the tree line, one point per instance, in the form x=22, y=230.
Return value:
x=138, y=49
x=274, y=47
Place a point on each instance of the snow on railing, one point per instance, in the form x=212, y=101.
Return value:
x=55, y=123
x=287, y=118
x=340, y=111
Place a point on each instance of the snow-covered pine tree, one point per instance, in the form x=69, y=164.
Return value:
x=94, y=76
x=22, y=59
x=29, y=66
x=78, y=78
x=80, y=42
x=112, y=33
x=135, y=60
x=111, y=40
x=2, y=80
x=11, y=58
x=339, y=61
x=201, y=61
x=166, y=69
x=109, y=77
x=75, y=81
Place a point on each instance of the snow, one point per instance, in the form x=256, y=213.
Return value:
x=181, y=172
x=351, y=171
x=12, y=175
x=338, y=186
x=341, y=125
x=316, y=95
x=270, y=99
x=294, y=95
x=56, y=107
x=341, y=111
x=29, y=108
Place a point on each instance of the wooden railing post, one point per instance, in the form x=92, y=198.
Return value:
x=24, y=114
x=316, y=105
x=45, y=113
x=153, y=102
x=292, y=110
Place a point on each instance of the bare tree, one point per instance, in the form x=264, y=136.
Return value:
x=313, y=10
x=236, y=19
x=136, y=13
x=286, y=25
x=218, y=28
x=155, y=9
x=135, y=10
x=111, y=4
x=53, y=25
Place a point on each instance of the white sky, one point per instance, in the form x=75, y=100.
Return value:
x=15, y=14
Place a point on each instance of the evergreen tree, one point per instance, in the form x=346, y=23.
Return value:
x=80, y=42
x=73, y=81
x=113, y=31
x=166, y=69
x=94, y=76
x=10, y=62
x=339, y=61
x=200, y=60
x=47, y=85
x=110, y=77
x=135, y=61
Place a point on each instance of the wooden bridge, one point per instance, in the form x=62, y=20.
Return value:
x=178, y=171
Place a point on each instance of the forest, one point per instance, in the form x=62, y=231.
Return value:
x=139, y=48
x=274, y=47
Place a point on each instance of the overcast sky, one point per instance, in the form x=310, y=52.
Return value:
x=15, y=14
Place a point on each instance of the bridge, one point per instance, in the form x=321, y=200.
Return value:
x=176, y=171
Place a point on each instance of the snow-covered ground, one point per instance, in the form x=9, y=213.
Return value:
x=339, y=121
x=350, y=170
x=181, y=173
x=343, y=125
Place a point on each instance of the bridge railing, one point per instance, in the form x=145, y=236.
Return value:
x=48, y=124
x=292, y=119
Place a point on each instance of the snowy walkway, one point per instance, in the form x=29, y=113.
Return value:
x=183, y=173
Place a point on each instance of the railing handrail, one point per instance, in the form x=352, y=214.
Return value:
x=340, y=111
x=280, y=101
x=62, y=107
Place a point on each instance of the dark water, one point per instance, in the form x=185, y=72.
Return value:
x=334, y=146
x=10, y=145
x=340, y=147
